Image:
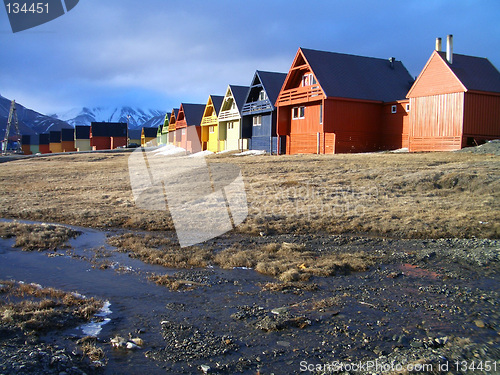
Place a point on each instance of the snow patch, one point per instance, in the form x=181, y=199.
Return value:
x=251, y=152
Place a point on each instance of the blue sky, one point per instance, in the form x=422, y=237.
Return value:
x=158, y=53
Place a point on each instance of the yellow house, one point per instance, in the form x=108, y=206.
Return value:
x=210, y=123
x=148, y=134
x=171, y=127
x=230, y=119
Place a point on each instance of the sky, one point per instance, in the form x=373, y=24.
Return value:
x=155, y=54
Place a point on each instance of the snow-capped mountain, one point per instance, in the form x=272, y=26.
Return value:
x=136, y=117
x=30, y=122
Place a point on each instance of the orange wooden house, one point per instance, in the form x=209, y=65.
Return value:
x=339, y=103
x=171, y=127
x=188, y=124
x=455, y=102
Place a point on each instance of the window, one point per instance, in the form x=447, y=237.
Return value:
x=394, y=109
x=230, y=125
x=257, y=120
x=233, y=105
x=308, y=80
x=298, y=112
x=183, y=132
x=211, y=129
x=408, y=108
x=321, y=113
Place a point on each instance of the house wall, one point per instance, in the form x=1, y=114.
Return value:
x=436, y=122
x=145, y=140
x=68, y=146
x=213, y=142
x=395, y=126
x=192, y=139
x=44, y=149
x=118, y=142
x=34, y=149
x=26, y=149
x=481, y=116
x=233, y=136
x=82, y=145
x=100, y=143
x=55, y=147
x=262, y=137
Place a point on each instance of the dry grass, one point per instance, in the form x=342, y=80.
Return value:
x=89, y=348
x=286, y=261
x=160, y=251
x=403, y=195
x=36, y=309
x=37, y=237
x=292, y=262
x=172, y=282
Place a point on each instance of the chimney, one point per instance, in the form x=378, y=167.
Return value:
x=438, y=44
x=449, y=49
x=391, y=61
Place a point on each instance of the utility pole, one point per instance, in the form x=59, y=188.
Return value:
x=12, y=116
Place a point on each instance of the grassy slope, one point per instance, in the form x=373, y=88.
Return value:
x=402, y=195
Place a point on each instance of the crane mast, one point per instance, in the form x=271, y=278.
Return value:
x=12, y=118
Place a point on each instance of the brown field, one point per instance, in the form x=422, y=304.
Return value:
x=429, y=195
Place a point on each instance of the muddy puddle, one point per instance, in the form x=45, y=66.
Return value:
x=229, y=323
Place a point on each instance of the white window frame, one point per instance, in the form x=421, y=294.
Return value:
x=394, y=109
x=298, y=113
x=311, y=80
x=211, y=129
x=407, y=107
x=257, y=120
x=230, y=125
x=321, y=113
x=262, y=95
x=183, y=131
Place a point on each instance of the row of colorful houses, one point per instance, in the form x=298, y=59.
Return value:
x=330, y=103
x=97, y=136
x=338, y=103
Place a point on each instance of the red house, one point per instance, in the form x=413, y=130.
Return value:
x=455, y=102
x=188, y=126
x=108, y=135
x=338, y=103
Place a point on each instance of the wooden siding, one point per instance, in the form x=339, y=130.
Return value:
x=395, y=126
x=55, y=147
x=482, y=116
x=436, y=78
x=118, y=142
x=100, y=143
x=436, y=122
x=299, y=95
x=44, y=149
x=68, y=146
x=26, y=149
x=35, y=149
x=83, y=145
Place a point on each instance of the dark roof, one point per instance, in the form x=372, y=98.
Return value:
x=109, y=129
x=272, y=83
x=150, y=132
x=26, y=139
x=193, y=113
x=475, y=73
x=44, y=139
x=55, y=136
x=217, y=102
x=134, y=134
x=82, y=132
x=359, y=77
x=67, y=135
x=239, y=95
x=176, y=112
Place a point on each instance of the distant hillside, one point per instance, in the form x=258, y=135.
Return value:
x=30, y=122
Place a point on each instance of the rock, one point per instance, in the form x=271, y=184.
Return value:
x=137, y=341
x=206, y=369
x=479, y=323
x=118, y=342
x=279, y=310
x=132, y=346
x=416, y=344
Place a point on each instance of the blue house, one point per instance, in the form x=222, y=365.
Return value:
x=259, y=112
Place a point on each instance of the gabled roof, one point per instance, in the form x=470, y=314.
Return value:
x=272, y=82
x=67, y=135
x=358, y=77
x=475, y=73
x=239, y=95
x=149, y=132
x=109, y=129
x=134, y=134
x=193, y=113
x=82, y=132
x=217, y=102
x=55, y=136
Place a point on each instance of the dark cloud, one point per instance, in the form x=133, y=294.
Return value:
x=158, y=53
